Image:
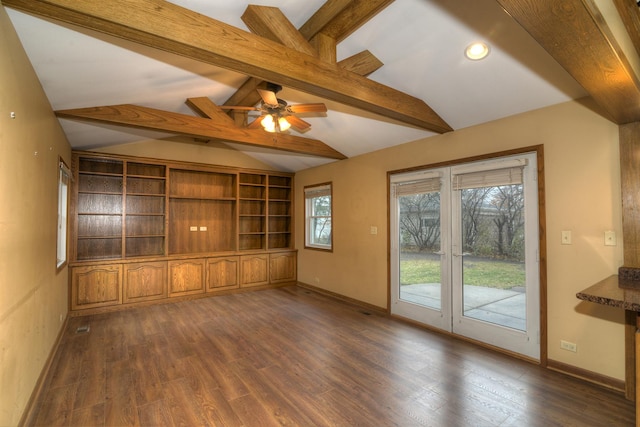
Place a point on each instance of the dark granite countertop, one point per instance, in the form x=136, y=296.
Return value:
x=608, y=292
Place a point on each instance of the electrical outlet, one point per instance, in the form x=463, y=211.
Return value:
x=609, y=238
x=569, y=346
x=193, y=228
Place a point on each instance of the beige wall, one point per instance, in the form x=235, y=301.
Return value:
x=33, y=296
x=582, y=195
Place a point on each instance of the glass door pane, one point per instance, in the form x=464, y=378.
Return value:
x=419, y=249
x=459, y=258
x=493, y=255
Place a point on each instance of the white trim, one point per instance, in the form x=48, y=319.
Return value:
x=310, y=193
x=450, y=317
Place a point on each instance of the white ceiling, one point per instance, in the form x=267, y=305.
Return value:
x=420, y=43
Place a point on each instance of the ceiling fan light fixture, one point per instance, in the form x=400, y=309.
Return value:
x=272, y=123
x=268, y=124
x=283, y=124
x=477, y=51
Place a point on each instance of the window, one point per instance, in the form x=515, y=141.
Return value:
x=318, y=212
x=63, y=204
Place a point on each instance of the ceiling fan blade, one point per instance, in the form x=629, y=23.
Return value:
x=268, y=97
x=238, y=107
x=256, y=123
x=308, y=108
x=298, y=123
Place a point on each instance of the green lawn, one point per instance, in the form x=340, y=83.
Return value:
x=491, y=274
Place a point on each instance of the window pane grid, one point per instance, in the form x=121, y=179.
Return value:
x=318, y=216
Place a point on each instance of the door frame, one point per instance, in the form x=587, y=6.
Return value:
x=439, y=319
x=542, y=240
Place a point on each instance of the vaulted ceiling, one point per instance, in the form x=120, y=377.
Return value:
x=389, y=72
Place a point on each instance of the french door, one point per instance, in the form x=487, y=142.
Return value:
x=464, y=251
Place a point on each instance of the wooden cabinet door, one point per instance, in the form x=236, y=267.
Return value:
x=282, y=267
x=144, y=281
x=186, y=277
x=254, y=270
x=223, y=273
x=96, y=286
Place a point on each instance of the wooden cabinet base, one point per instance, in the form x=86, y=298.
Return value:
x=112, y=286
x=96, y=286
x=144, y=281
x=223, y=273
x=282, y=267
x=254, y=270
x=186, y=277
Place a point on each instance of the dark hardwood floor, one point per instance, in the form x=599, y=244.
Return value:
x=292, y=357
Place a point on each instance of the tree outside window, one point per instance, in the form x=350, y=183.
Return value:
x=318, y=217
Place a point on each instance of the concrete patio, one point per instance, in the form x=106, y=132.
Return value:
x=498, y=306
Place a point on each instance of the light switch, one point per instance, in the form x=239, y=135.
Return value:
x=566, y=237
x=193, y=228
x=610, y=238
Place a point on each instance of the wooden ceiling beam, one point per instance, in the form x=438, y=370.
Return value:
x=247, y=94
x=270, y=23
x=198, y=127
x=326, y=47
x=330, y=10
x=363, y=63
x=576, y=35
x=339, y=18
x=207, y=108
x=335, y=20
x=166, y=26
x=630, y=14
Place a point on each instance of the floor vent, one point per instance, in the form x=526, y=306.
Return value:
x=82, y=329
x=366, y=313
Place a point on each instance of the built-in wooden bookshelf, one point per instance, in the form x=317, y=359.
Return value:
x=148, y=230
x=145, y=201
x=202, y=211
x=99, y=208
x=253, y=212
x=280, y=210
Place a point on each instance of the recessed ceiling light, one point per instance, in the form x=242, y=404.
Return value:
x=476, y=51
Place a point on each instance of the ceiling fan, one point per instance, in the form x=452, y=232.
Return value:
x=277, y=115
